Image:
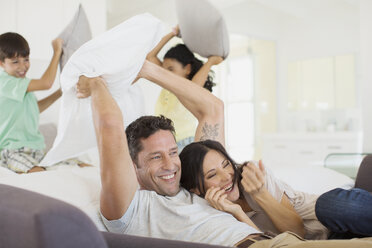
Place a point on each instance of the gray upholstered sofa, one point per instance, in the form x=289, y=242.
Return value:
x=30, y=220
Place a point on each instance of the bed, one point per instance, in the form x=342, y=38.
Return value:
x=81, y=186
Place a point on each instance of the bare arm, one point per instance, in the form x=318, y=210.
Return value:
x=282, y=213
x=217, y=199
x=153, y=55
x=118, y=177
x=201, y=76
x=49, y=100
x=206, y=107
x=47, y=80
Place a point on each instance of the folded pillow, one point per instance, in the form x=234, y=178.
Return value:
x=76, y=33
x=202, y=28
x=117, y=55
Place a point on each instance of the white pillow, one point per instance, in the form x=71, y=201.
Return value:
x=202, y=28
x=76, y=33
x=117, y=55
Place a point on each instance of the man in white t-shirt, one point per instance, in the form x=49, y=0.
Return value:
x=140, y=184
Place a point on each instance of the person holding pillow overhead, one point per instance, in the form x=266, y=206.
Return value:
x=181, y=61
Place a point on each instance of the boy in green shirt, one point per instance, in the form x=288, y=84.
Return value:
x=21, y=143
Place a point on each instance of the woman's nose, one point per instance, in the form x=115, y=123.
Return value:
x=226, y=176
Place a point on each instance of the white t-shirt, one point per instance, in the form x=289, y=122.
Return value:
x=185, y=217
x=303, y=203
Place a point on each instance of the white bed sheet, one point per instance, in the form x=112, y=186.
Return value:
x=312, y=179
x=81, y=186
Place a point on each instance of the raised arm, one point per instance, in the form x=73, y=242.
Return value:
x=47, y=80
x=207, y=108
x=49, y=100
x=201, y=76
x=118, y=177
x=153, y=55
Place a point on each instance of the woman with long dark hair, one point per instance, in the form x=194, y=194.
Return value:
x=248, y=190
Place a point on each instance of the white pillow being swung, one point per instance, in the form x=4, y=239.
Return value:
x=117, y=55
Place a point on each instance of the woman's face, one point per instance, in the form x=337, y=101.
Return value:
x=176, y=67
x=219, y=172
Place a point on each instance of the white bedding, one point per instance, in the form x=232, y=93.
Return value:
x=81, y=186
x=312, y=179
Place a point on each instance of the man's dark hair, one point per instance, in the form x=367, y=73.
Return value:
x=13, y=45
x=142, y=128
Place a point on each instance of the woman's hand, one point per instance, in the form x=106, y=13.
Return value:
x=215, y=60
x=253, y=178
x=176, y=30
x=217, y=199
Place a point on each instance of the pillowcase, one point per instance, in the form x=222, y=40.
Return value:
x=74, y=35
x=202, y=28
x=49, y=131
x=117, y=56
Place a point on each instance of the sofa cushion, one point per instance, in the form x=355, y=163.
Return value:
x=31, y=220
x=129, y=241
x=202, y=28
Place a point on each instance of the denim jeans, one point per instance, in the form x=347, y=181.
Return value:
x=346, y=213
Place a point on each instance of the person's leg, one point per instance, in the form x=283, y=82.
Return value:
x=347, y=212
x=291, y=240
x=22, y=160
x=363, y=179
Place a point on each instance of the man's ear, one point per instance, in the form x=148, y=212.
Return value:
x=135, y=167
x=138, y=177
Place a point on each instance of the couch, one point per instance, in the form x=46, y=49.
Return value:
x=32, y=220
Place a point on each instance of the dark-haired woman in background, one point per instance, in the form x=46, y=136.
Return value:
x=181, y=61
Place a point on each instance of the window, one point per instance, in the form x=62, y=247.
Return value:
x=237, y=92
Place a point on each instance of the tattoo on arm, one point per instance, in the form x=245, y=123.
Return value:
x=209, y=132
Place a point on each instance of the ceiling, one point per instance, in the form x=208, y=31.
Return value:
x=120, y=10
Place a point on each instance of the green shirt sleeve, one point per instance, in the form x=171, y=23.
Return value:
x=13, y=87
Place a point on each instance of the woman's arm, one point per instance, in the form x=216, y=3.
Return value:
x=206, y=107
x=217, y=199
x=153, y=55
x=49, y=100
x=201, y=76
x=282, y=213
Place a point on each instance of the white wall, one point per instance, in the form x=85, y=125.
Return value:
x=365, y=75
x=336, y=33
x=40, y=21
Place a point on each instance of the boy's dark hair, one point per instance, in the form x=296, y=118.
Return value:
x=142, y=128
x=183, y=55
x=13, y=45
x=192, y=158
